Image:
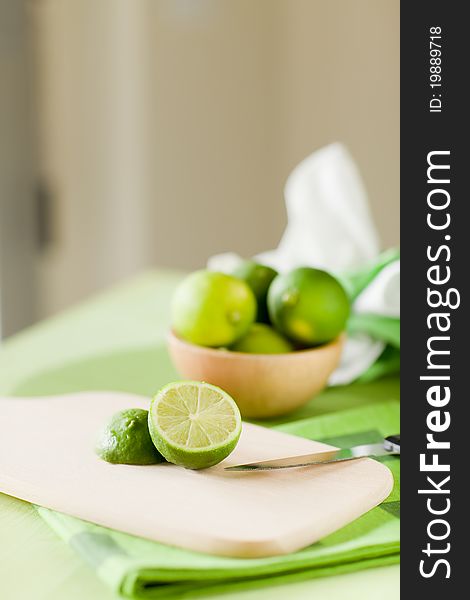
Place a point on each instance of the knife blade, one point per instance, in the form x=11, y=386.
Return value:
x=390, y=446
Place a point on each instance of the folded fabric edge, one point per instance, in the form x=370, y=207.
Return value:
x=118, y=569
x=143, y=583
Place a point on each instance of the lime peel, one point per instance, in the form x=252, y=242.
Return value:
x=125, y=439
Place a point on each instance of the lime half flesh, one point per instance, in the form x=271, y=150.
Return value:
x=194, y=424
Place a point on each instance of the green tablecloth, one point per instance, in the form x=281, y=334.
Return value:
x=115, y=340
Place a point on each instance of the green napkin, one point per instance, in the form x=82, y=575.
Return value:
x=379, y=327
x=140, y=568
x=357, y=280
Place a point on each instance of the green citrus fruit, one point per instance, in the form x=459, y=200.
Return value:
x=194, y=424
x=262, y=339
x=307, y=305
x=125, y=439
x=212, y=309
x=259, y=278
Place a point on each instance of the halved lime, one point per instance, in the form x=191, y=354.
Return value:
x=194, y=424
x=125, y=439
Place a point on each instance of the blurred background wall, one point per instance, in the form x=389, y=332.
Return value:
x=165, y=129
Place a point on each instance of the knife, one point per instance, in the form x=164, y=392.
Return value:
x=389, y=447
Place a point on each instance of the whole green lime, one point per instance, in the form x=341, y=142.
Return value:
x=125, y=439
x=262, y=339
x=212, y=309
x=307, y=305
x=259, y=278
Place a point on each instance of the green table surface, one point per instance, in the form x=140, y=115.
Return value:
x=98, y=336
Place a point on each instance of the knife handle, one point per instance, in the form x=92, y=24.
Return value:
x=392, y=444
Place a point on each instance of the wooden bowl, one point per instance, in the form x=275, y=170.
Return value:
x=263, y=385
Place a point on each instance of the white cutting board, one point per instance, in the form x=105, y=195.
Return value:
x=47, y=457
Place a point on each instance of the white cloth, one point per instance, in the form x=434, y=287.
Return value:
x=329, y=226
